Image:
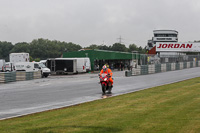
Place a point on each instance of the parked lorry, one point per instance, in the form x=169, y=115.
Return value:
x=62, y=65
x=32, y=67
x=2, y=65
x=19, y=57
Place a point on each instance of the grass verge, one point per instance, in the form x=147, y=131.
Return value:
x=173, y=108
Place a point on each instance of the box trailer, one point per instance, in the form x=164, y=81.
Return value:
x=62, y=65
x=18, y=57
x=88, y=64
x=83, y=64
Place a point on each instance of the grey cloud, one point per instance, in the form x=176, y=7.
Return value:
x=88, y=22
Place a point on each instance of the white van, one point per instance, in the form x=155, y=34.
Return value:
x=32, y=67
x=45, y=71
x=2, y=65
x=26, y=66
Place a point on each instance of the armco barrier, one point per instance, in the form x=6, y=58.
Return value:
x=188, y=64
x=136, y=71
x=156, y=68
x=163, y=68
x=151, y=69
x=181, y=65
x=6, y=77
x=173, y=66
x=20, y=76
x=184, y=65
x=168, y=65
x=37, y=75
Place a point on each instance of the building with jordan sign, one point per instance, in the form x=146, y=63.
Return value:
x=166, y=46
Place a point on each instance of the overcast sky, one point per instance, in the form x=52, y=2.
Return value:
x=87, y=22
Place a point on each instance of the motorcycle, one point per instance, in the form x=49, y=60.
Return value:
x=104, y=81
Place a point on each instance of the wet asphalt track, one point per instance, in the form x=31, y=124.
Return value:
x=26, y=97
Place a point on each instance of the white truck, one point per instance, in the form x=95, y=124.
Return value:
x=32, y=67
x=19, y=57
x=2, y=65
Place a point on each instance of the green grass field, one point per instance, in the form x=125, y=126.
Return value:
x=173, y=108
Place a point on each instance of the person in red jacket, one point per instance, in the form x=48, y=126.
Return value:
x=108, y=71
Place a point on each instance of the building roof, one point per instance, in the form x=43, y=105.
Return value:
x=99, y=54
x=165, y=31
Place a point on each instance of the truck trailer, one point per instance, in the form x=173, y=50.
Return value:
x=62, y=65
x=83, y=64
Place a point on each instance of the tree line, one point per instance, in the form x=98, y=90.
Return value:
x=41, y=48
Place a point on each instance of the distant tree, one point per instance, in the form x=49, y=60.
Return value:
x=21, y=47
x=119, y=47
x=93, y=46
x=44, y=48
x=140, y=49
x=103, y=47
x=31, y=58
x=133, y=47
x=37, y=59
x=5, y=48
x=72, y=47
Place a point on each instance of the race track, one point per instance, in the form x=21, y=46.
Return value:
x=26, y=97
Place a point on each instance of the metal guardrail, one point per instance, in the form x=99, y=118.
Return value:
x=6, y=77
